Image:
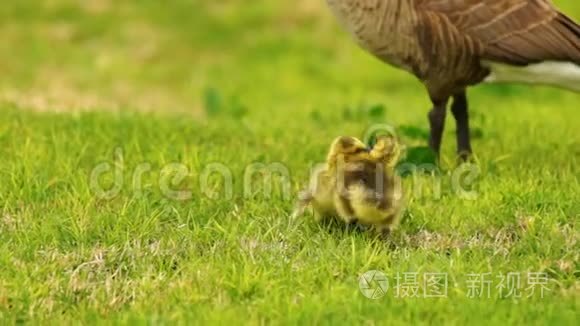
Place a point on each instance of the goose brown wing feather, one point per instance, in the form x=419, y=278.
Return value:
x=508, y=31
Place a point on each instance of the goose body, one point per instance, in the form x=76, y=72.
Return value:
x=450, y=45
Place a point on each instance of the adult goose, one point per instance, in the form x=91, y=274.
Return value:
x=453, y=44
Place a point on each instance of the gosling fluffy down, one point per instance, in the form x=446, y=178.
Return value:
x=357, y=184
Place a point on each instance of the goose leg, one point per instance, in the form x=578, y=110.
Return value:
x=437, y=121
x=459, y=109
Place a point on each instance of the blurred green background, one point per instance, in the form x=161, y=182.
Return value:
x=163, y=56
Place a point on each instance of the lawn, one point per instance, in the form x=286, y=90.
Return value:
x=118, y=119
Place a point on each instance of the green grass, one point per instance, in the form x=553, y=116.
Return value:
x=238, y=85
